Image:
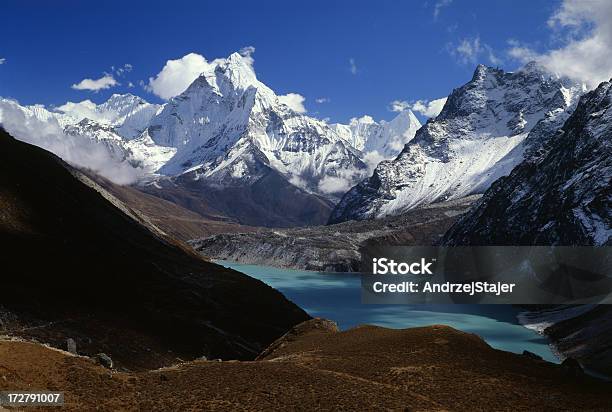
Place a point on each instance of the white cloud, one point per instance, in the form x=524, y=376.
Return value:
x=373, y=158
x=121, y=70
x=104, y=82
x=78, y=150
x=521, y=52
x=493, y=59
x=342, y=182
x=471, y=50
x=467, y=50
x=299, y=182
x=321, y=100
x=585, y=55
x=439, y=6
x=80, y=110
x=352, y=66
x=294, y=101
x=2, y=60
x=428, y=108
x=333, y=184
x=177, y=75
x=247, y=52
x=399, y=105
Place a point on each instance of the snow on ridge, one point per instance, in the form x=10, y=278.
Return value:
x=484, y=130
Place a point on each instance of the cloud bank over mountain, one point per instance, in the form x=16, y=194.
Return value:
x=76, y=150
x=586, y=29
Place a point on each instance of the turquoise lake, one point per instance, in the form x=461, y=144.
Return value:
x=337, y=296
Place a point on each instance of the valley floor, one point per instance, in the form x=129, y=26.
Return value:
x=315, y=366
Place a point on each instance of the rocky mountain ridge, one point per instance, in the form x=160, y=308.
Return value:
x=486, y=128
x=561, y=195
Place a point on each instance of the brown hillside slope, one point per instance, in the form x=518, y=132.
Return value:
x=172, y=219
x=315, y=367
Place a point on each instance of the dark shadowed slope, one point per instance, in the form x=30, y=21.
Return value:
x=74, y=265
x=561, y=196
x=170, y=217
x=267, y=199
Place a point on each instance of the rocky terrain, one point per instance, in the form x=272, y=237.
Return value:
x=316, y=367
x=268, y=200
x=578, y=332
x=333, y=248
x=561, y=196
x=79, y=264
x=486, y=127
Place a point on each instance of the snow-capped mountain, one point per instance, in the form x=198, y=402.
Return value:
x=127, y=114
x=229, y=143
x=227, y=133
x=561, y=195
x=480, y=135
x=109, y=127
x=36, y=112
x=383, y=140
x=228, y=124
x=225, y=127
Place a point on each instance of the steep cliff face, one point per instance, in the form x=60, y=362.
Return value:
x=479, y=136
x=561, y=195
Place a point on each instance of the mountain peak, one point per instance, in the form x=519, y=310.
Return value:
x=533, y=68
x=236, y=58
x=124, y=96
x=479, y=136
x=239, y=71
x=482, y=71
x=407, y=115
x=121, y=101
x=560, y=197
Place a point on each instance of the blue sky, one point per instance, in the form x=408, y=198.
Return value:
x=401, y=50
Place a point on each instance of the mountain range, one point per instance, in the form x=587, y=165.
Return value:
x=230, y=149
x=486, y=127
x=230, y=141
x=560, y=195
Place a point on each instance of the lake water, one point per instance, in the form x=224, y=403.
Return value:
x=337, y=296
